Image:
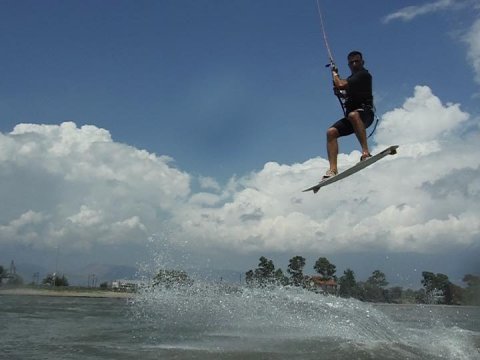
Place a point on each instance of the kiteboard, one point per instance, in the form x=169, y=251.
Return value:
x=392, y=150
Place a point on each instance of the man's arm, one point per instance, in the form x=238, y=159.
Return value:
x=339, y=84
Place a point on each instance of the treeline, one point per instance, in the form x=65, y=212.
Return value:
x=437, y=288
x=13, y=279
x=9, y=278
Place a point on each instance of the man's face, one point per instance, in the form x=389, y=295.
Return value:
x=355, y=63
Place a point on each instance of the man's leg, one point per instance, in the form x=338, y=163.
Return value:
x=332, y=148
x=360, y=131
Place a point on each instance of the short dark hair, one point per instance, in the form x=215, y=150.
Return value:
x=354, y=53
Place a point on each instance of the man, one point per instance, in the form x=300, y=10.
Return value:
x=358, y=102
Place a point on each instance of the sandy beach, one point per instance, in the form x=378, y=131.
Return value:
x=92, y=293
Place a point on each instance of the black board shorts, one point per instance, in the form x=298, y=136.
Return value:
x=344, y=126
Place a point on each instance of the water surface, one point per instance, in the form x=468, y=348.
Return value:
x=209, y=322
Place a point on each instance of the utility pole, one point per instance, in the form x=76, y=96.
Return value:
x=92, y=279
x=13, y=269
x=54, y=276
x=36, y=278
x=56, y=262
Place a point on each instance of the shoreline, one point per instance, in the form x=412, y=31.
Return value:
x=87, y=293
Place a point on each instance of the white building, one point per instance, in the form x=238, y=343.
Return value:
x=126, y=285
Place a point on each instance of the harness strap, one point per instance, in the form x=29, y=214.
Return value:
x=371, y=108
x=376, y=120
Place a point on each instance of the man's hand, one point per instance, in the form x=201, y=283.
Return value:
x=335, y=78
x=339, y=93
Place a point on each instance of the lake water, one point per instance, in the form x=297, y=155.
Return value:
x=209, y=322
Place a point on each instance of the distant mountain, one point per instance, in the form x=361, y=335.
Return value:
x=29, y=272
x=102, y=273
x=217, y=275
x=95, y=274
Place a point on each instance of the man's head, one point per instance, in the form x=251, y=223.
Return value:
x=355, y=61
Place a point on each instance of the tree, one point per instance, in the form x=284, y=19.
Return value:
x=470, y=279
x=433, y=281
x=250, y=277
x=453, y=294
x=421, y=296
x=378, y=279
x=472, y=292
x=428, y=281
x=280, y=278
x=2, y=274
x=373, y=289
x=348, y=284
x=11, y=279
x=295, y=269
x=395, y=294
x=409, y=296
x=442, y=282
x=54, y=280
x=436, y=287
x=15, y=280
x=171, y=278
x=325, y=268
x=265, y=273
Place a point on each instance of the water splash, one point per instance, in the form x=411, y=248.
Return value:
x=215, y=317
x=279, y=310
x=233, y=321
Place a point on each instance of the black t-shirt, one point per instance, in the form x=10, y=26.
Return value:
x=359, y=91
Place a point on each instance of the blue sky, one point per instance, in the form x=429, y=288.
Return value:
x=220, y=93
x=220, y=86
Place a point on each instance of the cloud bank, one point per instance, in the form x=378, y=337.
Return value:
x=410, y=202
x=76, y=187
x=70, y=186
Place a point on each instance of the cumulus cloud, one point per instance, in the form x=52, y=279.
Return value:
x=416, y=116
x=208, y=183
x=75, y=186
x=393, y=205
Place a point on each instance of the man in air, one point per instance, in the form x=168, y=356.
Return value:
x=356, y=91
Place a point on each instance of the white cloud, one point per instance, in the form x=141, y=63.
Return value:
x=416, y=117
x=26, y=226
x=78, y=188
x=472, y=38
x=393, y=205
x=82, y=187
x=410, y=12
x=86, y=217
x=208, y=183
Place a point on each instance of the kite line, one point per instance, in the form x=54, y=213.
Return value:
x=329, y=52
